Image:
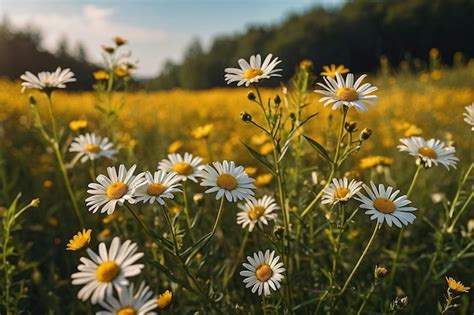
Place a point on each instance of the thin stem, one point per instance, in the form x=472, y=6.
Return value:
x=460, y=212
x=183, y=264
x=366, y=298
x=62, y=167
x=216, y=222
x=239, y=257
x=400, y=233
x=366, y=249
x=140, y=222
x=281, y=193
x=186, y=211
x=334, y=164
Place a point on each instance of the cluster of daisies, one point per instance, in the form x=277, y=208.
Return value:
x=224, y=179
x=104, y=277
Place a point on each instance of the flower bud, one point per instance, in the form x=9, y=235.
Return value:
x=198, y=199
x=350, y=126
x=278, y=230
x=35, y=203
x=251, y=96
x=108, y=49
x=277, y=100
x=380, y=272
x=32, y=101
x=365, y=134
x=246, y=117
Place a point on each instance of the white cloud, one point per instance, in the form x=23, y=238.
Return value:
x=94, y=26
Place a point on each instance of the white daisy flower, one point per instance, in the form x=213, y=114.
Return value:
x=47, y=81
x=264, y=272
x=114, y=189
x=382, y=204
x=91, y=147
x=254, y=71
x=469, y=115
x=227, y=180
x=258, y=211
x=340, y=190
x=107, y=270
x=431, y=152
x=342, y=92
x=130, y=303
x=157, y=187
x=187, y=166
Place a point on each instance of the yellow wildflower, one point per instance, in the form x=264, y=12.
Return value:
x=250, y=170
x=267, y=148
x=330, y=71
x=164, y=299
x=80, y=240
x=48, y=184
x=202, y=132
x=456, y=286
x=413, y=131
x=306, y=64
x=175, y=146
x=263, y=180
x=76, y=125
x=101, y=75
x=121, y=72
x=374, y=161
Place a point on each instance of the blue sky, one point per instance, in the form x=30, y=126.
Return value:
x=157, y=30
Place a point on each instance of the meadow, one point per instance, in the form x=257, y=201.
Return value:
x=333, y=257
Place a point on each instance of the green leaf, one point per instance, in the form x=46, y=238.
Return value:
x=260, y=158
x=319, y=148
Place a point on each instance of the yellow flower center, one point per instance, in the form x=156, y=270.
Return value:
x=107, y=271
x=155, y=189
x=127, y=311
x=183, y=168
x=263, y=273
x=384, y=205
x=93, y=148
x=252, y=73
x=256, y=212
x=341, y=192
x=227, y=182
x=347, y=94
x=117, y=190
x=428, y=152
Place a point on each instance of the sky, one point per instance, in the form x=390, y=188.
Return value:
x=157, y=30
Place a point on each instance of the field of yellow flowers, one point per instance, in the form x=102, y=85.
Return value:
x=301, y=213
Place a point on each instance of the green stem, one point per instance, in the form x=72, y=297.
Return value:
x=284, y=208
x=140, y=222
x=461, y=211
x=239, y=257
x=400, y=233
x=60, y=159
x=366, y=249
x=182, y=262
x=216, y=222
x=366, y=298
x=186, y=211
x=334, y=164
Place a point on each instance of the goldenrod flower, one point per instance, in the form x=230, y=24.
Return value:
x=79, y=240
x=457, y=286
x=121, y=72
x=374, y=161
x=251, y=170
x=48, y=184
x=101, y=75
x=330, y=71
x=76, y=125
x=202, y=132
x=413, y=131
x=266, y=149
x=175, y=146
x=263, y=180
x=164, y=299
